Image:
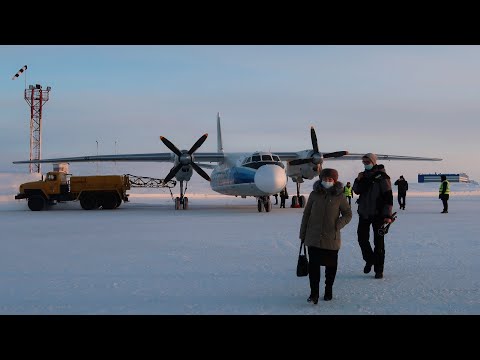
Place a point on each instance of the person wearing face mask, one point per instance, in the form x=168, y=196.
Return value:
x=374, y=209
x=327, y=211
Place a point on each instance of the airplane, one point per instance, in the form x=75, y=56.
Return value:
x=259, y=174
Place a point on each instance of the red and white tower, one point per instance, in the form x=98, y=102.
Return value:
x=35, y=96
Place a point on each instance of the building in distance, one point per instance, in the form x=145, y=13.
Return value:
x=459, y=177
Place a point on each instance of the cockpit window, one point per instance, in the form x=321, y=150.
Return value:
x=255, y=158
x=247, y=160
x=266, y=158
x=276, y=158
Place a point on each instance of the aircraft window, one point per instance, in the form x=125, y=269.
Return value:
x=255, y=158
x=247, y=160
x=266, y=158
x=276, y=158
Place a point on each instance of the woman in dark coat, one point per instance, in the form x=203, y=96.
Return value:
x=326, y=213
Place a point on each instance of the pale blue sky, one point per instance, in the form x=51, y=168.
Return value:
x=402, y=100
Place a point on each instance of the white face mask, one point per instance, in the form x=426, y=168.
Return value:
x=368, y=167
x=327, y=184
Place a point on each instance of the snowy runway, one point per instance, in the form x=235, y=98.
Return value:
x=223, y=257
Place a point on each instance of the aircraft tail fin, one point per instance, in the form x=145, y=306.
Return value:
x=219, y=135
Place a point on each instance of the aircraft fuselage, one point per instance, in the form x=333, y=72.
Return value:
x=261, y=174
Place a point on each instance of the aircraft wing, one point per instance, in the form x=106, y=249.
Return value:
x=149, y=157
x=353, y=156
x=288, y=156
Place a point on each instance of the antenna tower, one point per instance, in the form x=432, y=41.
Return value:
x=35, y=96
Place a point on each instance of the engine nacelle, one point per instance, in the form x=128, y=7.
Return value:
x=304, y=171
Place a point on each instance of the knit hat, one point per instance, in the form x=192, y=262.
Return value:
x=372, y=157
x=331, y=173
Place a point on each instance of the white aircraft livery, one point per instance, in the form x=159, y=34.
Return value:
x=258, y=174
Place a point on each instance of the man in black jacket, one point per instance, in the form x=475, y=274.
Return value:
x=283, y=197
x=374, y=209
x=402, y=191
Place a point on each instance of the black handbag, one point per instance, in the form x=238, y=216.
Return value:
x=302, y=264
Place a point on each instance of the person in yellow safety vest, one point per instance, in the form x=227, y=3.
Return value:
x=347, y=191
x=444, y=193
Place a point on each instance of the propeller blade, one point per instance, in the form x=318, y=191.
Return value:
x=197, y=144
x=200, y=171
x=335, y=154
x=170, y=146
x=300, y=161
x=314, y=139
x=172, y=173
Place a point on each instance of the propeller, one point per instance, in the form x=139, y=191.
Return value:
x=185, y=158
x=317, y=157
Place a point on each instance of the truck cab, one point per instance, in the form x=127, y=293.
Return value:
x=56, y=182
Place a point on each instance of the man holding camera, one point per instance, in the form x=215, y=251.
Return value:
x=374, y=209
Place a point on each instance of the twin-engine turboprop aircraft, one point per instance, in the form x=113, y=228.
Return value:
x=258, y=174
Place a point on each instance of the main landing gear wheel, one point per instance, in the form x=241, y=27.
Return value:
x=298, y=201
x=181, y=204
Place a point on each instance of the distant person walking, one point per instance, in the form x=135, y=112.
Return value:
x=444, y=193
x=402, y=191
x=374, y=209
x=347, y=191
x=325, y=214
x=283, y=197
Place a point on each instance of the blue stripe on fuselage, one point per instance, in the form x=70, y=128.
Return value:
x=231, y=176
x=243, y=175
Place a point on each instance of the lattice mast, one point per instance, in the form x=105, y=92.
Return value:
x=36, y=97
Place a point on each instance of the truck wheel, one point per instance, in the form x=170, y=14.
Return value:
x=88, y=202
x=109, y=201
x=36, y=203
x=119, y=202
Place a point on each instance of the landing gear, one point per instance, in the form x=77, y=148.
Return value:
x=264, y=202
x=182, y=201
x=298, y=201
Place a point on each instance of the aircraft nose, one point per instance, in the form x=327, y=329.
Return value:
x=270, y=178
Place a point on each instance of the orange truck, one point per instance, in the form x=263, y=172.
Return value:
x=93, y=192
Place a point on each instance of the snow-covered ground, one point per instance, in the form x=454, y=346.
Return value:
x=223, y=257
